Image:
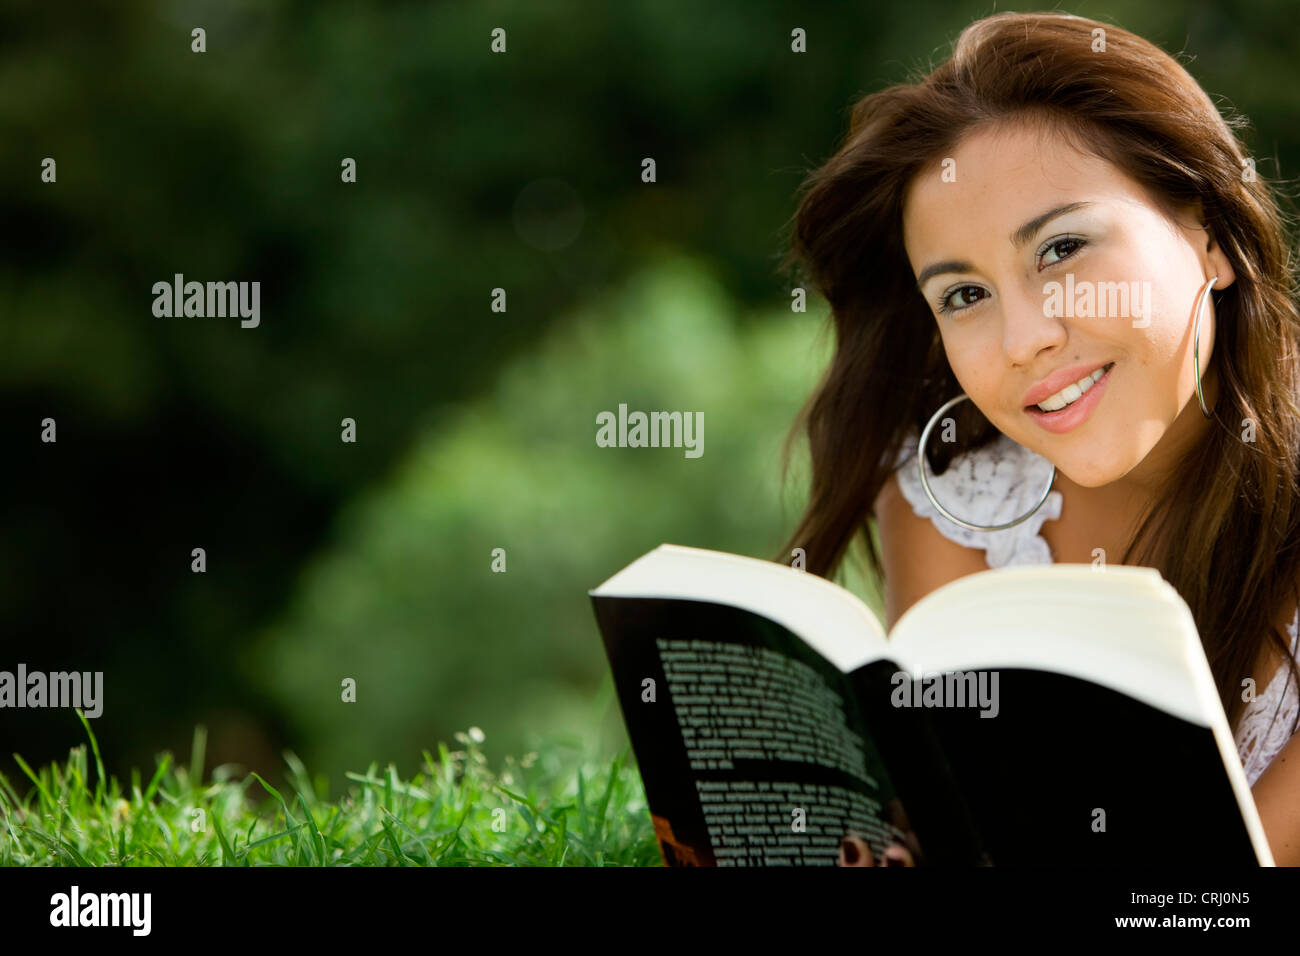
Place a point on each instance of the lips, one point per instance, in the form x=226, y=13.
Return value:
x=1072, y=416
x=1059, y=380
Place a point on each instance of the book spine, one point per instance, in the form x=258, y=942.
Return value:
x=909, y=746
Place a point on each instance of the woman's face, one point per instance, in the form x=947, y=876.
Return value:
x=1110, y=280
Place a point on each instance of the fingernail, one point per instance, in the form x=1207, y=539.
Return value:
x=892, y=860
x=850, y=851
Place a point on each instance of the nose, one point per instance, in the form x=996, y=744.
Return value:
x=1027, y=329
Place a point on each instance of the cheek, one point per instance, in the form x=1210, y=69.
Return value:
x=976, y=362
x=976, y=380
x=1160, y=345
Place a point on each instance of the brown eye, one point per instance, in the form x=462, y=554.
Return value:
x=1071, y=245
x=960, y=292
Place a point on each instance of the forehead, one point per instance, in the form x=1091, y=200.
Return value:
x=1001, y=176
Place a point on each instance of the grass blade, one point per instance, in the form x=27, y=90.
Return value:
x=45, y=794
x=317, y=840
x=288, y=817
x=197, y=750
x=227, y=851
x=157, y=776
x=101, y=783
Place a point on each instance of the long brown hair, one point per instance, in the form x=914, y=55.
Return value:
x=1225, y=530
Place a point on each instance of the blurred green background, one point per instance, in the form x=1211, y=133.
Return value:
x=475, y=428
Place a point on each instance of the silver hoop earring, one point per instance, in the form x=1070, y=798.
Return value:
x=925, y=484
x=1196, y=344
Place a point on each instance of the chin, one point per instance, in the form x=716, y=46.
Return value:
x=1088, y=479
x=1078, y=466
x=1094, y=475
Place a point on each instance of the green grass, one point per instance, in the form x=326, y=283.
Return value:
x=551, y=808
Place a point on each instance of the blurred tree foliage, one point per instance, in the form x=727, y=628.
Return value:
x=519, y=171
x=404, y=600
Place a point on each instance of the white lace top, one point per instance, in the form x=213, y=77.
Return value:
x=1003, y=480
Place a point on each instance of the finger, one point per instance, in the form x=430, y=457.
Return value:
x=855, y=852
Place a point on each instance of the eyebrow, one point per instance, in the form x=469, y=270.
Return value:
x=1018, y=239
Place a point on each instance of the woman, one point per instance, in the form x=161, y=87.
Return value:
x=1058, y=225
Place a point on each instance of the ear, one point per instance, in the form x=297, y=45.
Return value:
x=1217, y=262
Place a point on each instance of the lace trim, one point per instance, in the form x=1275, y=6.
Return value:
x=1266, y=726
x=994, y=484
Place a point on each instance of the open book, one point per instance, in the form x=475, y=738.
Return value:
x=1057, y=714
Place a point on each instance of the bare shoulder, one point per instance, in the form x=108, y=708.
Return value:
x=917, y=559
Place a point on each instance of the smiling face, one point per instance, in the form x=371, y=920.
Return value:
x=1026, y=298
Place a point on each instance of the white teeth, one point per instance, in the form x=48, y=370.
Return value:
x=1070, y=393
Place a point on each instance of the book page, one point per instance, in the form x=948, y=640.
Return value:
x=827, y=617
x=751, y=745
x=739, y=705
x=1122, y=627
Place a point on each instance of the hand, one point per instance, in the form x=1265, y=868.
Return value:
x=855, y=852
